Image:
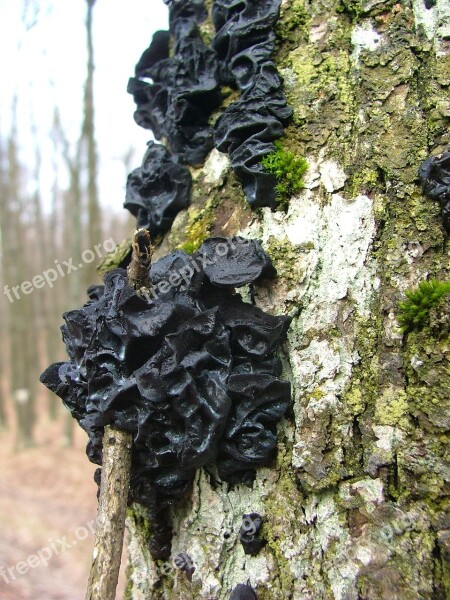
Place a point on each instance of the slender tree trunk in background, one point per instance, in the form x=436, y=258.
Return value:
x=53, y=304
x=72, y=234
x=94, y=220
x=44, y=299
x=3, y=416
x=356, y=506
x=4, y=323
x=21, y=329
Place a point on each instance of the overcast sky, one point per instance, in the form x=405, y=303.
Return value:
x=44, y=61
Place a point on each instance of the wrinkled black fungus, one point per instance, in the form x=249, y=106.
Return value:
x=243, y=592
x=158, y=190
x=184, y=18
x=176, y=95
x=191, y=372
x=249, y=534
x=434, y=174
x=158, y=50
x=244, y=263
x=244, y=43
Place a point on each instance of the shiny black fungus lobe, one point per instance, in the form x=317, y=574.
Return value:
x=243, y=592
x=244, y=37
x=434, y=174
x=249, y=534
x=248, y=128
x=191, y=372
x=158, y=190
x=243, y=263
x=176, y=95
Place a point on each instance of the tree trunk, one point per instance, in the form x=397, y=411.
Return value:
x=45, y=253
x=22, y=338
x=355, y=506
x=3, y=325
x=94, y=220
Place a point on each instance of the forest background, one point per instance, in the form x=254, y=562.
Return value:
x=67, y=143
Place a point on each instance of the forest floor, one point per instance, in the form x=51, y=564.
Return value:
x=47, y=512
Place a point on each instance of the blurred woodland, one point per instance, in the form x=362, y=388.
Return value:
x=36, y=236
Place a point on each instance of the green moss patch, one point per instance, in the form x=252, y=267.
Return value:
x=288, y=170
x=414, y=313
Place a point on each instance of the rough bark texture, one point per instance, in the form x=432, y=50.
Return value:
x=357, y=503
x=112, y=508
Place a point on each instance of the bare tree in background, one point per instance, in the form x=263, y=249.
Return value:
x=94, y=222
x=3, y=415
x=72, y=226
x=45, y=301
x=22, y=341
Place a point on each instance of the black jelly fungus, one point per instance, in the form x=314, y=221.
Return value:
x=434, y=174
x=243, y=592
x=158, y=190
x=249, y=533
x=191, y=373
x=175, y=95
x=248, y=128
x=243, y=263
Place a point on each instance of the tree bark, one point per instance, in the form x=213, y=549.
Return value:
x=356, y=506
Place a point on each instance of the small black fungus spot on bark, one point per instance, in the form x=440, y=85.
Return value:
x=176, y=95
x=191, y=372
x=434, y=174
x=158, y=190
x=184, y=562
x=243, y=592
x=244, y=43
x=249, y=534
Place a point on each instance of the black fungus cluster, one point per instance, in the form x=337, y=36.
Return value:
x=244, y=43
x=176, y=94
x=434, y=174
x=158, y=190
x=190, y=371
